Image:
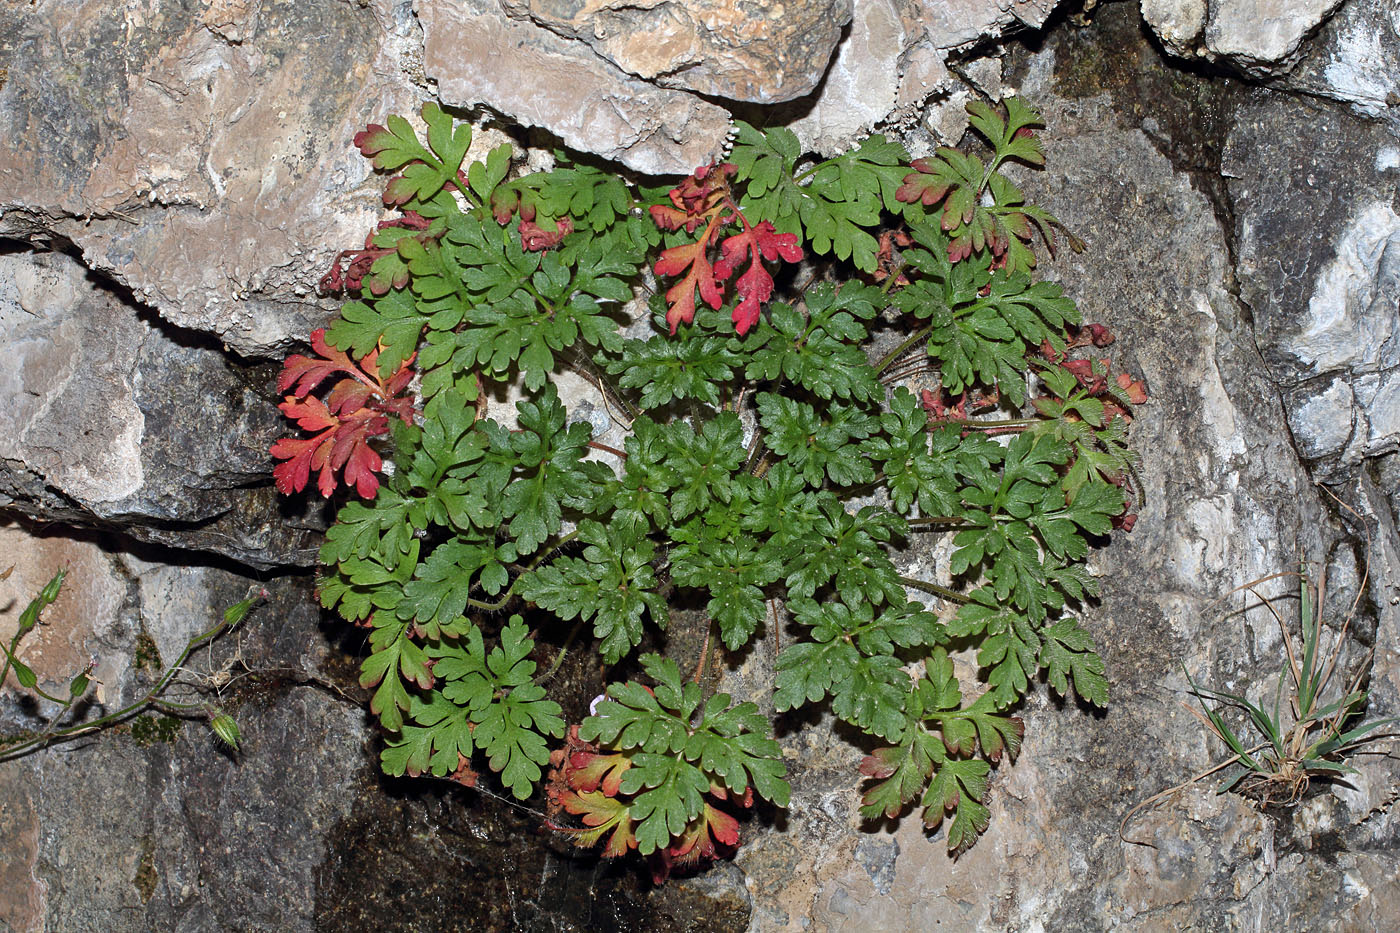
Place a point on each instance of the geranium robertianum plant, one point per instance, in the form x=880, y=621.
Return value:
x=775, y=464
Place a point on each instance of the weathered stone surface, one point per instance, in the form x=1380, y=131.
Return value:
x=1226, y=501
x=1262, y=35
x=1325, y=306
x=199, y=154
x=1325, y=314
x=478, y=55
x=958, y=23
x=1259, y=37
x=1268, y=344
x=126, y=832
x=1178, y=23
x=862, y=86
x=85, y=623
x=764, y=52
x=1355, y=58
x=894, y=59
x=119, y=421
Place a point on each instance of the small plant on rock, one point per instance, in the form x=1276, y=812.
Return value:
x=157, y=699
x=846, y=356
x=1312, y=734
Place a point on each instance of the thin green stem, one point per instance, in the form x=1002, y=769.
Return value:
x=936, y=520
x=62, y=701
x=510, y=590
x=563, y=652
x=935, y=589
x=463, y=185
x=179, y=707
x=534, y=293
x=898, y=351
x=5, y=670
x=151, y=698
x=809, y=172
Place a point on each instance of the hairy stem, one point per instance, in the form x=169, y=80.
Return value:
x=935, y=589
x=898, y=351
x=150, y=698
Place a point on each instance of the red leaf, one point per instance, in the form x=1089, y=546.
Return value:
x=696, y=199
x=298, y=453
x=352, y=454
x=310, y=415
x=881, y=764
x=589, y=770
x=349, y=396
x=755, y=286
x=702, y=835
x=374, y=139
x=600, y=813
x=464, y=774
x=505, y=201
x=535, y=238
x=938, y=410
x=356, y=409
x=306, y=373
x=917, y=185
x=680, y=298
x=1136, y=388
x=672, y=218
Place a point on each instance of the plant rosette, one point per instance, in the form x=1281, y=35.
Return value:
x=775, y=463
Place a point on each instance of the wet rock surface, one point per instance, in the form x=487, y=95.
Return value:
x=180, y=173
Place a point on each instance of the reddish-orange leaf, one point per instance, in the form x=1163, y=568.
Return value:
x=680, y=298
x=1136, y=388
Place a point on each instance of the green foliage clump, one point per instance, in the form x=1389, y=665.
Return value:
x=773, y=468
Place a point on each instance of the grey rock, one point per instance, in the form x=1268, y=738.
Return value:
x=1259, y=37
x=1227, y=501
x=764, y=52
x=119, y=833
x=864, y=80
x=1324, y=307
x=479, y=56
x=1179, y=24
x=123, y=422
x=957, y=24
x=202, y=154
x=1355, y=58
x=1326, y=321
x=1260, y=307
x=894, y=59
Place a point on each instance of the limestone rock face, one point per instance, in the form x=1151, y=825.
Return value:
x=122, y=421
x=1325, y=307
x=1355, y=58
x=764, y=52
x=131, y=831
x=478, y=55
x=177, y=175
x=198, y=154
x=1259, y=37
x=893, y=61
